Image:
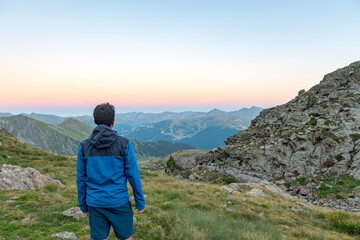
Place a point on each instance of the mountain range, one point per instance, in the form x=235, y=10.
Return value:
x=204, y=130
x=65, y=137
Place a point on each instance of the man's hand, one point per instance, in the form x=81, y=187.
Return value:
x=86, y=214
x=140, y=211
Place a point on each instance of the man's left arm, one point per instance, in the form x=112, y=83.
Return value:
x=133, y=175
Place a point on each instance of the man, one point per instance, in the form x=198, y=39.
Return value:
x=105, y=162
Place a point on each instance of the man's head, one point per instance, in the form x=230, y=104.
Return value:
x=104, y=114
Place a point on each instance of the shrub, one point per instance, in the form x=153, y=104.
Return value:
x=312, y=122
x=170, y=164
x=355, y=137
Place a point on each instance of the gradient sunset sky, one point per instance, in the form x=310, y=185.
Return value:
x=64, y=57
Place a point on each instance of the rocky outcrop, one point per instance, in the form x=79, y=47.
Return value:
x=315, y=135
x=15, y=177
x=5, y=133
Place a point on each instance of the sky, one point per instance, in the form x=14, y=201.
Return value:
x=65, y=57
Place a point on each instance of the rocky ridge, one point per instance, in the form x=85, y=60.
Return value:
x=314, y=136
x=5, y=133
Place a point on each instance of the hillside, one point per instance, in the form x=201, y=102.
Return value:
x=175, y=209
x=303, y=144
x=75, y=129
x=65, y=137
x=202, y=132
x=37, y=133
x=158, y=148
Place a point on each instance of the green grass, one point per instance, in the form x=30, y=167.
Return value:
x=341, y=187
x=345, y=222
x=175, y=209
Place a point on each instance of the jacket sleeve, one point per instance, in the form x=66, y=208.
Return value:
x=133, y=175
x=80, y=180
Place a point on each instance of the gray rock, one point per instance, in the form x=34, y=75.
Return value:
x=257, y=192
x=302, y=91
x=286, y=226
x=305, y=191
x=302, y=204
x=347, y=204
x=15, y=177
x=65, y=235
x=74, y=212
x=296, y=210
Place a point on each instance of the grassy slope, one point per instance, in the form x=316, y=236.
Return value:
x=75, y=129
x=175, y=209
x=37, y=133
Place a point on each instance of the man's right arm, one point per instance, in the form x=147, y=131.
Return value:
x=80, y=180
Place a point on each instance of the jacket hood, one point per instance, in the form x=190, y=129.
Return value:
x=103, y=136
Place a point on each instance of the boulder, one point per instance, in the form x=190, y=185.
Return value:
x=74, y=212
x=297, y=210
x=257, y=192
x=15, y=177
x=65, y=235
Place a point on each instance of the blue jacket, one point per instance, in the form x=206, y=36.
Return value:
x=105, y=162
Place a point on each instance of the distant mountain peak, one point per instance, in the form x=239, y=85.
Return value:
x=216, y=111
x=71, y=120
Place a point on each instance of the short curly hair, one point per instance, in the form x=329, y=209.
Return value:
x=104, y=114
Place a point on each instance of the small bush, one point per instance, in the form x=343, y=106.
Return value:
x=170, y=164
x=312, y=122
x=314, y=114
x=229, y=179
x=355, y=137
